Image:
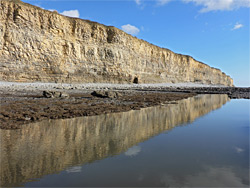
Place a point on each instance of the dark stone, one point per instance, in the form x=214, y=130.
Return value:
x=239, y=95
x=106, y=94
x=55, y=94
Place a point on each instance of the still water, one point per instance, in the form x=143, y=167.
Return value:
x=199, y=142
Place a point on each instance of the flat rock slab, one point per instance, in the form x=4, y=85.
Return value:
x=106, y=94
x=55, y=94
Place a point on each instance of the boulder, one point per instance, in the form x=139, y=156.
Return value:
x=55, y=94
x=106, y=94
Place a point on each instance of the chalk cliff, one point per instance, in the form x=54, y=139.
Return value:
x=40, y=45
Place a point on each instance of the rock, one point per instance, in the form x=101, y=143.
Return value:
x=48, y=94
x=106, y=94
x=239, y=95
x=40, y=45
x=27, y=118
x=55, y=94
x=64, y=95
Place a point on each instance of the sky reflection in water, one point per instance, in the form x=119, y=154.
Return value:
x=175, y=145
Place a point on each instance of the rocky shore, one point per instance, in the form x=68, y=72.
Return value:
x=23, y=103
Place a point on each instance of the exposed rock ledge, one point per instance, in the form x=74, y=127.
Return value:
x=40, y=45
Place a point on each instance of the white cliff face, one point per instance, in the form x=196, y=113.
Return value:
x=39, y=45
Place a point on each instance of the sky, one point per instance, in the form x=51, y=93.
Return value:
x=215, y=32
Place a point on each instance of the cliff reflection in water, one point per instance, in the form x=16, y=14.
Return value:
x=52, y=146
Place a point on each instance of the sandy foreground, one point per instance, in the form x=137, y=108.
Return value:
x=23, y=103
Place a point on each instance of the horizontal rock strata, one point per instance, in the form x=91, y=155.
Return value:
x=40, y=45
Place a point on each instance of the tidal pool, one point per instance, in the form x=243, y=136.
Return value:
x=201, y=141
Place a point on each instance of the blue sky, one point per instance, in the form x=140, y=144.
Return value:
x=215, y=32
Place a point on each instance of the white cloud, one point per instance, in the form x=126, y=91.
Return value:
x=133, y=151
x=52, y=10
x=211, y=176
x=215, y=5
x=130, y=29
x=138, y=2
x=74, y=169
x=141, y=3
x=71, y=13
x=162, y=2
x=239, y=150
x=237, y=26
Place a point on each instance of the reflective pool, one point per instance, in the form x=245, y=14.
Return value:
x=199, y=142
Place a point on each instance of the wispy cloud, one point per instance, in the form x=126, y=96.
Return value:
x=219, y=5
x=138, y=2
x=239, y=150
x=71, y=13
x=74, y=169
x=130, y=29
x=162, y=2
x=237, y=26
x=223, y=177
x=133, y=151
